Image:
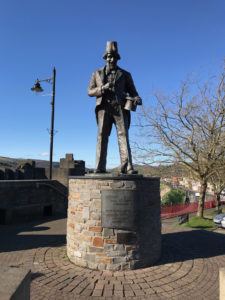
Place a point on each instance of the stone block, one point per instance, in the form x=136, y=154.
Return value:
x=121, y=253
x=91, y=265
x=130, y=185
x=130, y=248
x=98, y=242
x=95, y=228
x=80, y=262
x=95, y=249
x=87, y=239
x=75, y=195
x=125, y=266
x=113, y=267
x=85, y=195
x=117, y=184
x=108, y=247
x=79, y=227
x=71, y=225
x=90, y=257
x=87, y=233
x=77, y=253
x=85, y=215
x=104, y=260
x=118, y=247
x=107, y=232
x=93, y=223
x=102, y=185
x=110, y=241
x=95, y=216
x=120, y=259
x=95, y=204
x=101, y=266
x=83, y=246
x=126, y=237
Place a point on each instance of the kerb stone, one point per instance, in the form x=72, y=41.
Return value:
x=14, y=283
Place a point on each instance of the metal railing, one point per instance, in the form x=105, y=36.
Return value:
x=170, y=211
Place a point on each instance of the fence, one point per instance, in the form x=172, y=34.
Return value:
x=170, y=211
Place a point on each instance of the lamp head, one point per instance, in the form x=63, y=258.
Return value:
x=37, y=87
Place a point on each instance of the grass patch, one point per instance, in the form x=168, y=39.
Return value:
x=200, y=223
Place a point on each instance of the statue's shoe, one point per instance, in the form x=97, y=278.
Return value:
x=132, y=172
x=129, y=172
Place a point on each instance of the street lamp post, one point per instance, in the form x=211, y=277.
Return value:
x=37, y=88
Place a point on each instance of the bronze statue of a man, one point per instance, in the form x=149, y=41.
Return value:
x=115, y=95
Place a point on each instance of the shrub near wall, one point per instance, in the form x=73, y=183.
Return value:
x=174, y=196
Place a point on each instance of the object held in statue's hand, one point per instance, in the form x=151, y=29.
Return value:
x=132, y=102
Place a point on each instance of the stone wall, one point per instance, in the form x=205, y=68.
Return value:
x=62, y=174
x=92, y=245
x=21, y=174
x=26, y=169
x=22, y=200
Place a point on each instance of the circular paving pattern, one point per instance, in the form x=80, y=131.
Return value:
x=188, y=268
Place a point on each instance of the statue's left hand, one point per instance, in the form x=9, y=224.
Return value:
x=137, y=100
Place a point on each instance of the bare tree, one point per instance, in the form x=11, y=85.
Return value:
x=187, y=128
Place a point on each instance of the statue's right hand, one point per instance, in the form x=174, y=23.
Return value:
x=106, y=86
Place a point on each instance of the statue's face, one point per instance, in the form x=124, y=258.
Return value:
x=111, y=60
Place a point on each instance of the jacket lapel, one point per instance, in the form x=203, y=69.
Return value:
x=101, y=74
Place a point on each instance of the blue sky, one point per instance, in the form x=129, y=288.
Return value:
x=160, y=43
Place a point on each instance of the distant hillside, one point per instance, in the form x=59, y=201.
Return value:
x=7, y=162
x=176, y=170
x=159, y=171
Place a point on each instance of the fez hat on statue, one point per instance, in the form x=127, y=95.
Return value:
x=111, y=47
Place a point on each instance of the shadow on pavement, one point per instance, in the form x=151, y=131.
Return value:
x=51, y=232
x=32, y=235
x=187, y=245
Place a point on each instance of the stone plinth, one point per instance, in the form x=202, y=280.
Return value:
x=113, y=221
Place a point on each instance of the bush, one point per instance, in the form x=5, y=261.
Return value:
x=174, y=196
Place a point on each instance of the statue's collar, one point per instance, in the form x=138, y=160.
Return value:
x=108, y=71
x=102, y=73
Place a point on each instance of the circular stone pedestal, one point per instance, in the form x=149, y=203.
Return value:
x=113, y=221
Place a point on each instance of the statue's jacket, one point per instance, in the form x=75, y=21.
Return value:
x=123, y=85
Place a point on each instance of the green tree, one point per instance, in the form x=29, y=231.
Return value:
x=174, y=196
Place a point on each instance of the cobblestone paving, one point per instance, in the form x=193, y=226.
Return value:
x=188, y=268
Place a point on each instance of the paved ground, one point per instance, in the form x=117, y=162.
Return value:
x=188, y=268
